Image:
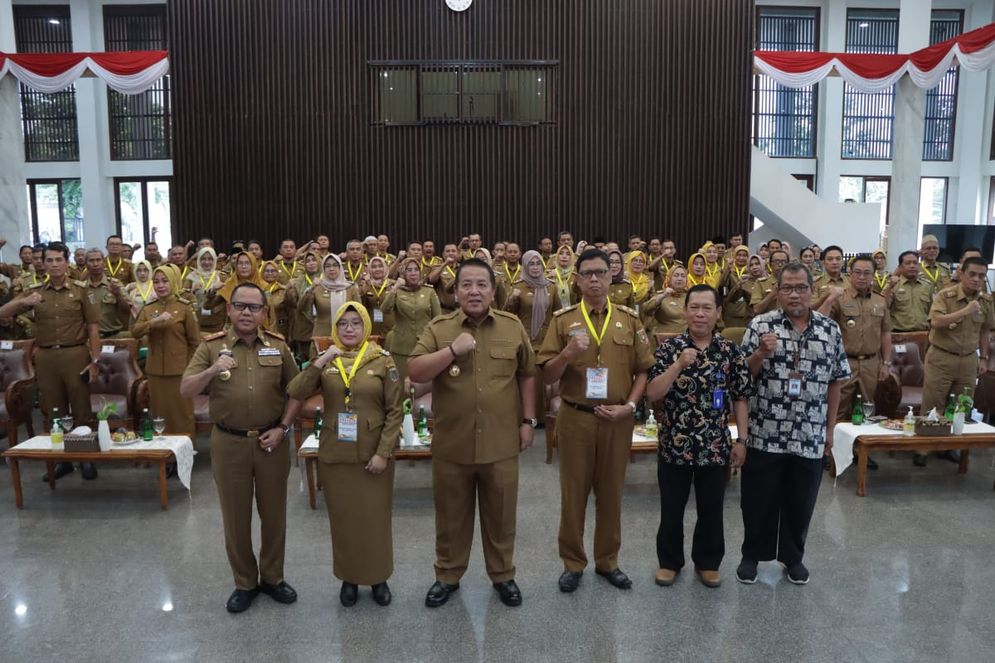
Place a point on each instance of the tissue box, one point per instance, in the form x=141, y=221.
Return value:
x=84, y=442
x=932, y=428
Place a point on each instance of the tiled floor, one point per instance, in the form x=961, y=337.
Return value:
x=96, y=572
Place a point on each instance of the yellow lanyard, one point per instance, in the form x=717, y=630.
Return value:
x=352, y=276
x=34, y=278
x=559, y=279
x=739, y=272
x=148, y=291
x=184, y=274
x=711, y=272
x=113, y=271
x=210, y=280
x=932, y=277
x=347, y=378
x=307, y=277
x=379, y=293
x=881, y=279
x=692, y=280
x=272, y=287
x=604, y=328
x=451, y=272
x=544, y=261
x=666, y=267
x=511, y=279
x=288, y=272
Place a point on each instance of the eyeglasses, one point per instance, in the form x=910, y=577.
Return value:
x=349, y=324
x=241, y=306
x=799, y=289
x=597, y=273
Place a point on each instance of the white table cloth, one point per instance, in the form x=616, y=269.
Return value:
x=844, y=435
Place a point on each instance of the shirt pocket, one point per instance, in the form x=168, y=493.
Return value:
x=270, y=361
x=504, y=359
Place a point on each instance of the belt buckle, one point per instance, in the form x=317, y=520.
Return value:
x=252, y=433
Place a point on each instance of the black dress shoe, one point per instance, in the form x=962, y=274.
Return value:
x=61, y=470
x=953, y=455
x=510, y=594
x=348, y=594
x=919, y=460
x=381, y=593
x=616, y=577
x=241, y=599
x=170, y=470
x=439, y=593
x=89, y=471
x=570, y=581
x=281, y=593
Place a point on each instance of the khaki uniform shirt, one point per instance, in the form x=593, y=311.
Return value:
x=375, y=399
x=256, y=394
x=372, y=297
x=61, y=318
x=476, y=402
x=412, y=311
x=936, y=280
x=521, y=307
x=960, y=338
x=625, y=351
x=445, y=289
x=288, y=269
x=100, y=294
x=120, y=269
x=759, y=289
x=667, y=313
x=171, y=345
x=821, y=285
x=621, y=294
x=862, y=319
x=910, y=302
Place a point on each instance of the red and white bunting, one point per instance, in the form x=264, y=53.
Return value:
x=128, y=72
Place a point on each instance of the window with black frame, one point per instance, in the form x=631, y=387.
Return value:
x=140, y=124
x=941, y=101
x=869, y=117
x=441, y=92
x=784, y=118
x=47, y=120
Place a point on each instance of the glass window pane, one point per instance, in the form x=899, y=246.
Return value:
x=398, y=96
x=932, y=201
x=852, y=189
x=159, y=213
x=868, y=118
x=877, y=192
x=47, y=206
x=130, y=201
x=525, y=95
x=72, y=213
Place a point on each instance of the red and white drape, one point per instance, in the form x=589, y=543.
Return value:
x=129, y=72
x=973, y=50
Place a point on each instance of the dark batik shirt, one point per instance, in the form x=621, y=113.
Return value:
x=780, y=423
x=691, y=430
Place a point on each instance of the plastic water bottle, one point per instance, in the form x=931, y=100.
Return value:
x=57, y=434
x=909, y=423
x=651, y=427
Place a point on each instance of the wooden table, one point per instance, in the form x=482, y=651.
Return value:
x=310, y=457
x=53, y=456
x=864, y=444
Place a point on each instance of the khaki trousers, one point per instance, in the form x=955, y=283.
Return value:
x=863, y=380
x=946, y=374
x=60, y=384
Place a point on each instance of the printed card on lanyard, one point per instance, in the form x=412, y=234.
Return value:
x=377, y=315
x=597, y=377
x=348, y=422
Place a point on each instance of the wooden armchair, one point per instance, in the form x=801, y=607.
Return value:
x=17, y=380
x=120, y=382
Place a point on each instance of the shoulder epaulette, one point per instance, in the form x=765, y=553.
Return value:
x=985, y=296
x=81, y=284
x=504, y=314
x=950, y=292
x=32, y=286
x=384, y=353
x=215, y=336
x=274, y=334
x=628, y=310
x=564, y=310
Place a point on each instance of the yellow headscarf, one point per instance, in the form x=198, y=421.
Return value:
x=234, y=280
x=172, y=274
x=694, y=280
x=269, y=288
x=641, y=282
x=732, y=265
x=713, y=276
x=364, y=316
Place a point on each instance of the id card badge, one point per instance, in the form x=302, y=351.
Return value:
x=205, y=312
x=719, y=399
x=348, y=427
x=794, y=384
x=377, y=315
x=597, y=383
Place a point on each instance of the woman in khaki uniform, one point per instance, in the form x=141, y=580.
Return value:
x=561, y=273
x=301, y=326
x=140, y=291
x=281, y=308
x=203, y=282
x=533, y=301
x=642, y=282
x=736, y=309
x=372, y=291
x=325, y=297
x=359, y=382
x=173, y=337
x=413, y=306
x=667, y=306
x=620, y=291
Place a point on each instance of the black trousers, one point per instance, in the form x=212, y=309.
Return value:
x=778, y=497
x=708, y=546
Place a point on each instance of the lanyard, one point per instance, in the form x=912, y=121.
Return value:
x=544, y=261
x=307, y=277
x=666, y=267
x=210, y=280
x=347, y=378
x=112, y=270
x=511, y=279
x=740, y=272
x=272, y=287
x=144, y=295
x=559, y=279
x=383, y=286
x=184, y=274
x=34, y=278
x=932, y=277
x=352, y=276
x=881, y=279
x=288, y=272
x=711, y=272
x=693, y=280
x=451, y=272
x=590, y=326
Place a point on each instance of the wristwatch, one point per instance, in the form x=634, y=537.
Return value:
x=531, y=421
x=633, y=406
x=285, y=429
x=740, y=440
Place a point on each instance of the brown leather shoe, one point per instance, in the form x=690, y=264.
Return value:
x=709, y=578
x=665, y=577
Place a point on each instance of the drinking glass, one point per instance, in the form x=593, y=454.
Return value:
x=868, y=411
x=159, y=424
x=67, y=423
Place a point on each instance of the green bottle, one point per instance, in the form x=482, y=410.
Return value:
x=965, y=403
x=318, y=422
x=951, y=408
x=857, y=415
x=147, y=432
x=422, y=422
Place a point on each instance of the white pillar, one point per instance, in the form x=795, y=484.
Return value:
x=15, y=224
x=910, y=102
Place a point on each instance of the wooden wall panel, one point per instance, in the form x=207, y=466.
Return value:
x=274, y=139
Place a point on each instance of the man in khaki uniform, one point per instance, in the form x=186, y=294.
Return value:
x=960, y=321
x=831, y=277
x=862, y=316
x=108, y=295
x=287, y=262
x=482, y=368
x=246, y=370
x=67, y=338
x=443, y=278
x=908, y=297
x=600, y=354
x=118, y=267
x=763, y=291
x=934, y=274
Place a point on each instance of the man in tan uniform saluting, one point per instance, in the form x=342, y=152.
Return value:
x=482, y=370
x=246, y=371
x=600, y=354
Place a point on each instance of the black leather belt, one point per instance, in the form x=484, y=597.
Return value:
x=108, y=334
x=956, y=354
x=254, y=432
x=862, y=357
x=61, y=346
x=579, y=406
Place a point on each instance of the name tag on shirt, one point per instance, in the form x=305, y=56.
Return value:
x=107, y=349
x=899, y=349
x=6, y=345
x=348, y=427
x=377, y=315
x=597, y=383
x=269, y=352
x=719, y=399
x=206, y=312
x=794, y=384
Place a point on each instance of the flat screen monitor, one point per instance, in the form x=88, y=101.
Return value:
x=954, y=238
